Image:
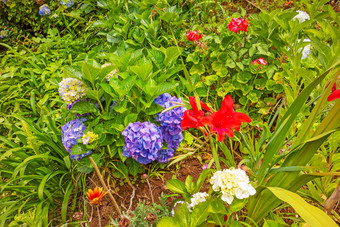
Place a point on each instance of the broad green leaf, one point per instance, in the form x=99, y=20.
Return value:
x=171, y=54
x=142, y=71
x=311, y=214
x=78, y=149
x=168, y=222
x=84, y=107
x=176, y=186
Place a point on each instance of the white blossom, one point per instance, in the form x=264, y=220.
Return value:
x=231, y=183
x=198, y=198
x=306, y=50
x=71, y=90
x=302, y=16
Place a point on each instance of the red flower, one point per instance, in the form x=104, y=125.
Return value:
x=238, y=24
x=193, y=36
x=225, y=120
x=335, y=93
x=259, y=61
x=192, y=118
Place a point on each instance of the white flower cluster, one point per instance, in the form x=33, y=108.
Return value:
x=112, y=73
x=232, y=182
x=71, y=90
x=302, y=16
x=197, y=198
x=306, y=50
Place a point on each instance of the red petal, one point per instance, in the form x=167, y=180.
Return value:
x=220, y=136
x=227, y=106
x=229, y=132
x=334, y=95
x=242, y=117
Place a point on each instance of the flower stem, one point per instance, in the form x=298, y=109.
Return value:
x=215, y=155
x=104, y=185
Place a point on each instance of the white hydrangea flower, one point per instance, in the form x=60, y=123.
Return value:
x=198, y=198
x=306, y=50
x=302, y=16
x=232, y=182
x=112, y=73
x=71, y=90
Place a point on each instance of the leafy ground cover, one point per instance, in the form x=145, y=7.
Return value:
x=169, y=113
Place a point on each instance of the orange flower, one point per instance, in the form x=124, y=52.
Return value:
x=96, y=195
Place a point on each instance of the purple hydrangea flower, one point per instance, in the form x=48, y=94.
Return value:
x=170, y=120
x=165, y=154
x=143, y=141
x=71, y=132
x=67, y=3
x=44, y=10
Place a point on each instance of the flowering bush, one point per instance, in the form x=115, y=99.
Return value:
x=193, y=36
x=143, y=141
x=238, y=24
x=71, y=132
x=302, y=16
x=232, y=182
x=72, y=90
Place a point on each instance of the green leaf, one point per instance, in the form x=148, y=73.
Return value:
x=157, y=58
x=176, y=186
x=78, y=149
x=93, y=94
x=199, y=182
x=154, y=109
x=142, y=71
x=311, y=214
x=189, y=184
x=84, y=107
x=168, y=222
x=243, y=77
x=199, y=213
x=130, y=118
x=271, y=223
x=89, y=72
x=237, y=205
x=133, y=166
x=171, y=54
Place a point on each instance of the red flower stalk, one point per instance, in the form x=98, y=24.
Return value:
x=238, y=24
x=335, y=93
x=193, y=36
x=96, y=195
x=192, y=118
x=225, y=120
x=259, y=61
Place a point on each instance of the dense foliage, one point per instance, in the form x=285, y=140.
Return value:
x=141, y=85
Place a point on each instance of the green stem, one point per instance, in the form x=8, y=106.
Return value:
x=215, y=155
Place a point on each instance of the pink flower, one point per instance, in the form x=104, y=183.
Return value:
x=259, y=61
x=205, y=166
x=193, y=36
x=335, y=94
x=238, y=24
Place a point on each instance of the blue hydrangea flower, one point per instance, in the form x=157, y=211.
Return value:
x=165, y=154
x=71, y=132
x=3, y=34
x=170, y=120
x=44, y=10
x=143, y=141
x=67, y=3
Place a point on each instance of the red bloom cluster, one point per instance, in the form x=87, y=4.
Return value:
x=238, y=24
x=193, y=36
x=335, y=94
x=259, y=61
x=222, y=121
